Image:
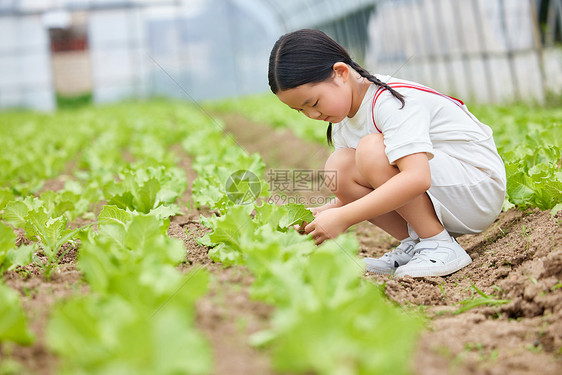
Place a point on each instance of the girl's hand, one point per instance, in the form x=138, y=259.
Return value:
x=327, y=224
x=300, y=228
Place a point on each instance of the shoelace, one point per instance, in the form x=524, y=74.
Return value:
x=392, y=256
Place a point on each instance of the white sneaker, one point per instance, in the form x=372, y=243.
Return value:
x=435, y=258
x=390, y=261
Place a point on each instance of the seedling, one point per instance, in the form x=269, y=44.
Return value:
x=482, y=300
x=503, y=234
x=527, y=235
x=535, y=348
x=483, y=354
x=50, y=232
x=52, y=250
x=498, y=288
x=441, y=287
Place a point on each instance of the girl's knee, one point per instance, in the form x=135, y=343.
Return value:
x=340, y=160
x=370, y=153
x=339, y=168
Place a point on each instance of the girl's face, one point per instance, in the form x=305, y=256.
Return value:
x=329, y=100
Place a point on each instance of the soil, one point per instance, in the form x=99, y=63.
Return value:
x=517, y=259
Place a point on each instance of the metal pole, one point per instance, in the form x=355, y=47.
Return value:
x=537, y=44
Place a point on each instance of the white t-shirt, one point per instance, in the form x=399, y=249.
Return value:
x=428, y=121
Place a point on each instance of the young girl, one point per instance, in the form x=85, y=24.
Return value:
x=408, y=159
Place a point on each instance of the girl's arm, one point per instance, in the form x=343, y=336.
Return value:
x=413, y=180
x=334, y=203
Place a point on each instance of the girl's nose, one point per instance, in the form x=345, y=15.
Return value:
x=313, y=114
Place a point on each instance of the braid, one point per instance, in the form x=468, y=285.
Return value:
x=364, y=73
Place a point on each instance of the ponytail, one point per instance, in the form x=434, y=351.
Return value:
x=308, y=56
x=364, y=73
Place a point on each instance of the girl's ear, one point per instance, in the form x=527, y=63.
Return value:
x=341, y=70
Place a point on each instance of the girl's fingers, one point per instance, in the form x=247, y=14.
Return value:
x=317, y=236
x=317, y=241
x=300, y=228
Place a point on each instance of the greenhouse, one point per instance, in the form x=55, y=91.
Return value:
x=261, y=187
x=489, y=51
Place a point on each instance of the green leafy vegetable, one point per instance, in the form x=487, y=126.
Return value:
x=110, y=335
x=13, y=322
x=50, y=232
x=10, y=255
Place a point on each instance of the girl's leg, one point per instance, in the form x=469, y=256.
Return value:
x=436, y=254
x=350, y=185
x=373, y=165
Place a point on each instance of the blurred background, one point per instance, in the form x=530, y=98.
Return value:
x=485, y=51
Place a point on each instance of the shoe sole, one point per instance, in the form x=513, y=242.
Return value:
x=377, y=270
x=380, y=272
x=444, y=270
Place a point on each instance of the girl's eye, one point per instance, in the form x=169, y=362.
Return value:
x=315, y=104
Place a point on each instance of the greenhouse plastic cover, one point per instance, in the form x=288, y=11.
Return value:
x=203, y=49
x=25, y=70
x=195, y=49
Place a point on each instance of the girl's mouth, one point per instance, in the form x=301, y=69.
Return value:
x=326, y=119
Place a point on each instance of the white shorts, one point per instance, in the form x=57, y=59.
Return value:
x=466, y=199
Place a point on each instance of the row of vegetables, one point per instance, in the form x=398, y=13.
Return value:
x=136, y=313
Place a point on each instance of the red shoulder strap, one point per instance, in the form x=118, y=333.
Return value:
x=396, y=85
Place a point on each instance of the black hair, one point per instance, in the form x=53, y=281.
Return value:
x=308, y=56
